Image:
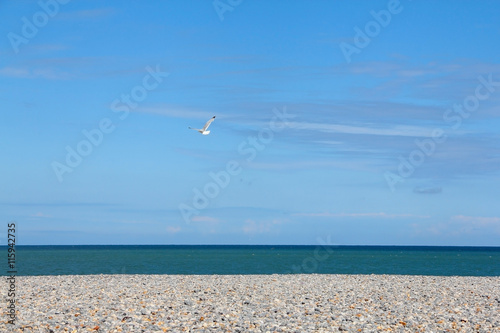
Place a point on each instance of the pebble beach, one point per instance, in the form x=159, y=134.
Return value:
x=254, y=303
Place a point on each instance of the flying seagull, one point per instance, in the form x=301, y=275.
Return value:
x=204, y=129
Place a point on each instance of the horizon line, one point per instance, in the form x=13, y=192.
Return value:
x=322, y=245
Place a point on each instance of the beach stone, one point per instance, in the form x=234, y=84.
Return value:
x=255, y=303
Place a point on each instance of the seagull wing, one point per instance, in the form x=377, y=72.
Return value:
x=208, y=124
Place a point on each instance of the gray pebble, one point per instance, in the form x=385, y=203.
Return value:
x=255, y=303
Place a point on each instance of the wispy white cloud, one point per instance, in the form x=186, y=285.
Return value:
x=176, y=112
x=41, y=215
x=477, y=220
x=43, y=66
x=366, y=129
x=361, y=215
x=128, y=221
x=427, y=190
x=260, y=227
x=37, y=73
x=329, y=142
x=352, y=164
x=17, y=72
x=438, y=82
x=48, y=47
x=86, y=14
x=431, y=69
x=205, y=219
x=173, y=230
x=460, y=226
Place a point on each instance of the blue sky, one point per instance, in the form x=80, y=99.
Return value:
x=361, y=122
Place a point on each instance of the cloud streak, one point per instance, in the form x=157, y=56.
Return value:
x=477, y=220
x=365, y=129
x=207, y=219
x=173, y=230
x=86, y=14
x=259, y=227
x=427, y=190
x=37, y=73
x=360, y=215
x=175, y=112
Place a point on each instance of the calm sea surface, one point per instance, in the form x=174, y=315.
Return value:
x=236, y=259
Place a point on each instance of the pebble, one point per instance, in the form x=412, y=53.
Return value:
x=254, y=303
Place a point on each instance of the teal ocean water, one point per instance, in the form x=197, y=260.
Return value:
x=236, y=259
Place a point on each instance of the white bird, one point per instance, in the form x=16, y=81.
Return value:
x=204, y=129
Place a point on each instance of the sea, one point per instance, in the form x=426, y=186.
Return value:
x=253, y=259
